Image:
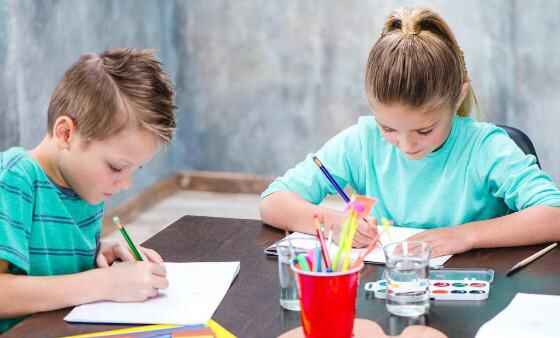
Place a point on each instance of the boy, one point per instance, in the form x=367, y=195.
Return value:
x=107, y=117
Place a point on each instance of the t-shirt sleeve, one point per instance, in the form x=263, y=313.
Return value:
x=15, y=220
x=337, y=155
x=512, y=175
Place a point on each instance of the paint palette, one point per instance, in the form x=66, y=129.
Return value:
x=448, y=284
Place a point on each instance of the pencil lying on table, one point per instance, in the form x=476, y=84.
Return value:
x=531, y=259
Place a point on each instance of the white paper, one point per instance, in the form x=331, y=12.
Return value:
x=528, y=315
x=194, y=293
x=395, y=234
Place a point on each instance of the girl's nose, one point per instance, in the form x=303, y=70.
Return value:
x=406, y=143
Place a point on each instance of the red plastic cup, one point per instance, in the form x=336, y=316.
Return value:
x=328, y=302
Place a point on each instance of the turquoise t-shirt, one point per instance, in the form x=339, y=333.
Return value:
x=478, y=173
x=45, y=229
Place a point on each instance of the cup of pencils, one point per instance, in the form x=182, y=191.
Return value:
x=327, y=279
x=327, y=301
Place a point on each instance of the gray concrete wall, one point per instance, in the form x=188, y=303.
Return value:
x=262, y=83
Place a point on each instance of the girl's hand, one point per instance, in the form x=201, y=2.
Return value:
x=365, y=233
x=445, y=241
x=110, y=252
x=135, y=281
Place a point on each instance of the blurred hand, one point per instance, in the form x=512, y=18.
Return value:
x=445, y=241
x=136, y=281
x=110, y=252
x=365, y=233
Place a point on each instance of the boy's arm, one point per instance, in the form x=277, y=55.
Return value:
x=134, y=281
x=530, y=226
x=23, y=295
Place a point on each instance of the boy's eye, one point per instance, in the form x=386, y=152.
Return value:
x=113, y=168
x=425, y=132
x=387, y=130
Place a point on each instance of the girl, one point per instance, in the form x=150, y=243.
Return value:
x=429, y=164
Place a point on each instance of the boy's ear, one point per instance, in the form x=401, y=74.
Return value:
x=63, y=132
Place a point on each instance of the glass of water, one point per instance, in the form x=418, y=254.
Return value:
x=287, y=252
x=406, y=273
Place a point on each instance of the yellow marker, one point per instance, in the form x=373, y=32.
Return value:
x=386, y=225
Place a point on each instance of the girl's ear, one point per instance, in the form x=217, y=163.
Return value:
x=63, y=132
x=464, y=92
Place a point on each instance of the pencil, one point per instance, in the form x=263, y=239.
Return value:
x=337, y=187
x=329, y=177
x=131, y=245
x=531, y=259
x=321, y=238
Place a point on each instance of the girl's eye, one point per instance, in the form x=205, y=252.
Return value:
x=425, y=132
x=114, y=169
x=388, y=130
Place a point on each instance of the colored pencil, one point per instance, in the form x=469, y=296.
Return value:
x=337, y=187
x=302, y=260
x=321, y=238
x=123, y=232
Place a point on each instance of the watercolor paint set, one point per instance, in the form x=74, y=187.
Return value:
x=448, y=284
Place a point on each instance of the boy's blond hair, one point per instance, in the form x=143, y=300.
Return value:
x=103, y=94
x=416, y=62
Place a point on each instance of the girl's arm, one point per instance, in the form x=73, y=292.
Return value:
x=529, y=226
x=287, y=210
x=131, y=281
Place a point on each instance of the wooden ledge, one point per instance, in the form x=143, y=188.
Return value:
x=209, y=181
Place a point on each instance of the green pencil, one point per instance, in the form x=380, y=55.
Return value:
x=131, y=245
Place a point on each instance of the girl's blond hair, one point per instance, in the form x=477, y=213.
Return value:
x=417, y=62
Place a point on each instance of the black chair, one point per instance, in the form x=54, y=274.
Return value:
x=522, y=140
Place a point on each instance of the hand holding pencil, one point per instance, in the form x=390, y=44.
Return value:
x=138, y=278
x=366, y=231
x=111, y=252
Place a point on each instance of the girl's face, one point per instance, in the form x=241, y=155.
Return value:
x=415, y=131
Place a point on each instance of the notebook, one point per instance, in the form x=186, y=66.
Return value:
x=528, y=315
x=194, y=293
x=395, y=234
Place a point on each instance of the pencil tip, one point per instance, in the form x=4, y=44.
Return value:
x=316, y=160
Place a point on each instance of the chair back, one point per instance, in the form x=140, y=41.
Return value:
x=522, y=140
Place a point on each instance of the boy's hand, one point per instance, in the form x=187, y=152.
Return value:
x=136, y=281
x=110, y=252
x=365, y=233
x=445, y=241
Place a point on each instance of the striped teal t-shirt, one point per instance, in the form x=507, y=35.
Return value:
x=45, y=229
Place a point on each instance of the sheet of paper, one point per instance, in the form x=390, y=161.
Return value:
x=194, y=293
x=528, y=315
x=395, y=234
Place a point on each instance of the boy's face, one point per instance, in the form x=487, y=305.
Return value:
x=415, y=132
x=96, y=170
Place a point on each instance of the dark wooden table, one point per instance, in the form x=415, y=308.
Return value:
x=251, y=309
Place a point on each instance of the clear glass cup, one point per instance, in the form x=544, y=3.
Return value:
x=406, y=273
x=287, y=251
